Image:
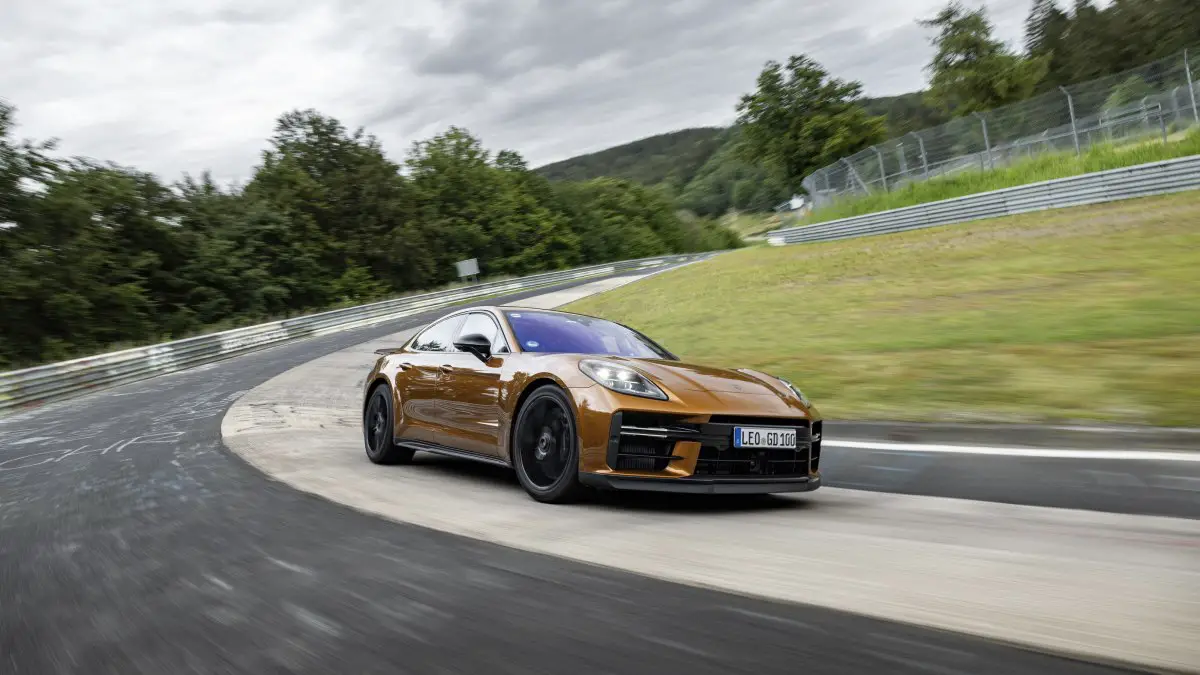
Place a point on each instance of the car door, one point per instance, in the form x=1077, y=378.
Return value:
x=469, y=391
x=421, y=377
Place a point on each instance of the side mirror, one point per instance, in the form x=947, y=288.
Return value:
x=475, y=343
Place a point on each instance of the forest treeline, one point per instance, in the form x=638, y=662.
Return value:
x=703, y=170
x=95, y=256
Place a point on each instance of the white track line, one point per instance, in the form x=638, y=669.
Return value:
x=1050, y=453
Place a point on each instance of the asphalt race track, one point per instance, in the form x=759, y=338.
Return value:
x=132, y=541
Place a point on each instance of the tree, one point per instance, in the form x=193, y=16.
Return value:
x=93, y=255
x=1044, y=37
x=799, y=119
x=1044, y=27
x=971, y=71
x=727, y=181
x=1091, y=48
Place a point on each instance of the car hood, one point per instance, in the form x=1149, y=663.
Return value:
x=680, y=376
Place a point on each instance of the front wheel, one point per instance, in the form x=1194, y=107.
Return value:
x=546, y=447
x=378, y=426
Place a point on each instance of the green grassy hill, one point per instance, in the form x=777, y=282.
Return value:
x=1090, y=313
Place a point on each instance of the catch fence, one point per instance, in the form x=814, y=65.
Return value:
x=1148, y=104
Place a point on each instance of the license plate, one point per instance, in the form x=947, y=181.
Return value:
x=764, y=437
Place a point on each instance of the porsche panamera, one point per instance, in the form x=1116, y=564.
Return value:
x=572, y=402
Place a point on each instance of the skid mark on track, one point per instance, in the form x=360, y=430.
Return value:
x=33, y=439
x=34, y=459
x=291, y=567
x=313, y=620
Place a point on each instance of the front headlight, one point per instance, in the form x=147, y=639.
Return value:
x=796, y=391
x=621, y=378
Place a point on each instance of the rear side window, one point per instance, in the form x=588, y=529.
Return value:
x=439, y=337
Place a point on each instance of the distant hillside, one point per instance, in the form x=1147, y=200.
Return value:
x=905, y=113
x=698, y=168
x=672, y=158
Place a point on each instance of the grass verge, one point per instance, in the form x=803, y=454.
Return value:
x=751, y=224
x=1040, y=168
x=1089, y=313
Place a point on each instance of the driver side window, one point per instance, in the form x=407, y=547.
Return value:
x=485, y=325
x=438, y=337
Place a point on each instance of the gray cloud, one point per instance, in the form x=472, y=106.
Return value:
x=173, y=86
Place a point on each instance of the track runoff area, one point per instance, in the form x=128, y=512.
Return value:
x=149, y=540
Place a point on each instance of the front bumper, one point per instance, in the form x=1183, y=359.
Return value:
x=725, y=485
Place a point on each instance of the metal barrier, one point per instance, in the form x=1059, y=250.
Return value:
x=1143, y=180
x=55, y=381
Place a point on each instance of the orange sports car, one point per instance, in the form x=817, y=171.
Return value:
x=571, y=401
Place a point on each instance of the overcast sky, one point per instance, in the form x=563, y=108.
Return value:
x=178, y=85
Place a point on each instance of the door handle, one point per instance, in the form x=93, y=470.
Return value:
x=446, y=368
x=404, y=366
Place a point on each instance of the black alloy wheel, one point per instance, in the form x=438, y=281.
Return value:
x=546, y=446
x=378, y=426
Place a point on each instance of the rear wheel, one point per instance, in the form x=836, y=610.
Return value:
x=546, y=447
x=378, y=428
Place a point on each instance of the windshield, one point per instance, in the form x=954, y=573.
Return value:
x=573, y=334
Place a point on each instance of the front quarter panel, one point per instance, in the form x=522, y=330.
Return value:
x=523, y=371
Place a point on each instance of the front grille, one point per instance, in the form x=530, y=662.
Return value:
x=642, y=441
x=720, y=458
x=643, y=454
x=745, y=462
x=646, y=442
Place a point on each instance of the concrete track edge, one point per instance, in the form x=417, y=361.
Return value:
x=1103, y=587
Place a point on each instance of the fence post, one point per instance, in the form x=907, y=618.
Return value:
x=1187, y=67
x=924, y=157
x=1074, y=129
x=903, y=160
x=987, y=143
x=882, y=168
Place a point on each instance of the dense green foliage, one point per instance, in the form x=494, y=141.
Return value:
x=973, y=71
x=94, y=256
x=729, y=181
x=905, y=113
x=1086, y=42
x=698, y=168
x=799, y=119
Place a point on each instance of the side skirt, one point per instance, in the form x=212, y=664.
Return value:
x=447, y=451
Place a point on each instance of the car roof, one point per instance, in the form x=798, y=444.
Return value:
x=521, y=308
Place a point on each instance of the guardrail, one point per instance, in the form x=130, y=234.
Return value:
x=1143, y=180
x=55, y=381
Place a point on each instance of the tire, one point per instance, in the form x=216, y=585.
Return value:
x=545, y=447
x=378, y=429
